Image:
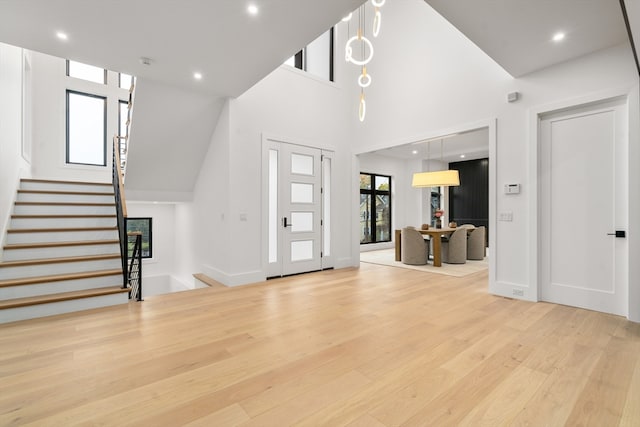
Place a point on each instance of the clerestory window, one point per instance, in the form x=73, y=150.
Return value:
x=317, y=57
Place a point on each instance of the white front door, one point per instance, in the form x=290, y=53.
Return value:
x=295, y=209
x=583, y=202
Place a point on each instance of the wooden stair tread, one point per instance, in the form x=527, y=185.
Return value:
x=62, y=216
x=67, y=193
x=63, y=296
x=57, y=244
x=63, y=204
x=53, y=181
x=58, y=277
x=58, y=260
x=55, y=230
x=209, y=281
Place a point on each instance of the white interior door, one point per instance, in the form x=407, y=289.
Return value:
x=298, y=209
x=583, y=202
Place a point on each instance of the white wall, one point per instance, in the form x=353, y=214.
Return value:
x=299, y=109
x=439, y=80
x=202, y=230
x=12, y=164
x=163, y=236
x=295, y=107
x=50, y=83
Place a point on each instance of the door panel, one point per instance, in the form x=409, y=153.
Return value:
x=295, y=208
x=583, y=181
x=301, y=208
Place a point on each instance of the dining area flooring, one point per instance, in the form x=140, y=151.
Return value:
x=372, y=346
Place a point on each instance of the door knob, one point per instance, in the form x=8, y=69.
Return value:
x=618, y=233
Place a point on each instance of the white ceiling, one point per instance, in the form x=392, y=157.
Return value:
x=517, y=33
x=232, y=49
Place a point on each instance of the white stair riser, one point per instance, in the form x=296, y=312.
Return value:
x=61, y=236
x=44, y=197
x=26, y=223
x=42, y=310
x=63, y=210
x=24, y=291
x=59, y=186
x=59, y=252
x=17, y=272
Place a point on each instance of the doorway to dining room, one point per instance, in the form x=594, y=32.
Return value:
x=416, y=206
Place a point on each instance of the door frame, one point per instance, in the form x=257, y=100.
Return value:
x=326, y=151
x=492, y=125
x=630, y=97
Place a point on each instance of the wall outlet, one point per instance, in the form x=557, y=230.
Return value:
x=518, y=292
x=505, y=216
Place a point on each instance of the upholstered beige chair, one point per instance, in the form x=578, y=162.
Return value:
x=415, y=251
x=476, y=248
x=454, y=249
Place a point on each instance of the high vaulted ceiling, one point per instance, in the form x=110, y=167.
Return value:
x=234, y=50
x=218, y=38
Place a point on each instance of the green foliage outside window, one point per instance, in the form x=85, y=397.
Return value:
x=142, y=225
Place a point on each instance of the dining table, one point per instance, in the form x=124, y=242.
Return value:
x=436, y=236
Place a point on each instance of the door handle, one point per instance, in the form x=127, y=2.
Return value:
x=284, y=222
x=618, y=233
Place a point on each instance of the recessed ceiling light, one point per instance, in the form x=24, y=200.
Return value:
x=62, y=36
x=462, y=156
x=558, y=36
x=414, y=152
x=252, y=9
x=197, y=76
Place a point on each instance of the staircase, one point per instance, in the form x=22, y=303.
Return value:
x=62, y=251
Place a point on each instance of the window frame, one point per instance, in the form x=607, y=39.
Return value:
x=104, y=136
x=120, y=81
x=373, y=192
x=150, y=239
x=300, y=58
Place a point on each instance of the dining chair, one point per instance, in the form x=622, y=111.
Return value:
x=454, y=249
x=476, y=247
x=415, y=251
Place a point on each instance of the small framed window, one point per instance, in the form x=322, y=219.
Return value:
x=86, y=129
x=90, y=73
x=123, y=117
x=144, y=226
x=125, y=81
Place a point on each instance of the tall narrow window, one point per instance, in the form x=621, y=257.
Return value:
x=375, y=208
x=123, y=117
x=144, y=226
x=86, y=129
x=86, y=72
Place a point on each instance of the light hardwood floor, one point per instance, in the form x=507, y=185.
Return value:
x=375, y=346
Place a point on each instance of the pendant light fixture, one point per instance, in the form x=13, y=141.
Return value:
x=366, y=49
x=447, y=178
